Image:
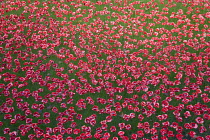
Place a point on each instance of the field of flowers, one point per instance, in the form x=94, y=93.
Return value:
x=108, y=70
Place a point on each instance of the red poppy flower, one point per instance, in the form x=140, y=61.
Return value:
x=187, y=126
x=76, y=131
x=13, y=134
x=179, y=129
x=187, y=114
x=13, y=121
x=28, y=120
x=202, y=129
x=128, y=127
x=6, y=130
x=179, y=136
x=93, y=122
x=40, y=121
x=174, y=125
x=207, y=137
x=54, y=109
x=115, y=138
x=199, y=138
x=73, y=124
x=97, y=135
x=49, y=130
x=179, y=119
x=192, y=134
x=31, y=136
x=62, y=131
x=199, y=120
x=46, y=121
x=140, y=133
x=121, y=133
x=106, y=135
x=7, y=116
x=69, y=130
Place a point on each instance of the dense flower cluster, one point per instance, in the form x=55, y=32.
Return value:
x=109, y=69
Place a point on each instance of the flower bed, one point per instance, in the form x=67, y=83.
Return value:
x=109, y=69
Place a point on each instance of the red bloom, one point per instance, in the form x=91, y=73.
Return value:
x=170, y=134
x=199, y=120
x=55, y=109
x=121, y=125
x=6, y=130
x=202, y=129
x=128, y=127
x=76, y=131
x=179, y=136
x=112, y=128
x=106, y=135
x=192, y=134
x=187, y=126
x=46, y=115
x=134, y=136
x=46, y=121
x=121, y=133
x=49, y=130
x=179, y=129
x=155, y=137
x=28, y=120
x=199, y=138
x=207, y=137
x=140, y=133
x=69, y=130
x=79, y=116
x=13, y=121
x=194, y=125
x=97, y=135
x=187, y=114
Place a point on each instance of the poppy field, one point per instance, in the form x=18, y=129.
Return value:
x=107, y=70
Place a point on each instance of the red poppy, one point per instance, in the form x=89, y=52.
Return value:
x=54, y=109
x=46, y=121
x=179, y=129
x=93, y=122
x=174, y=125
x=202, y=129
x=192, y=134
x=88, y=135
x=69, y=130
x=73, y=125
x=7, y=116
x=40, y=121
x=63, y=131
x=207, y=137
x=28, y=120
x=76, y=131
x=179, y=136
x=199, y=138
x=199, y=120
x=187, y=126
x=49, y=130
x=121, y=133
x=106, y=135
x=128, y=127
x=140, y=133
x=55, y=130
x=31, y=136
x=97, y=135
x=6, y=130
